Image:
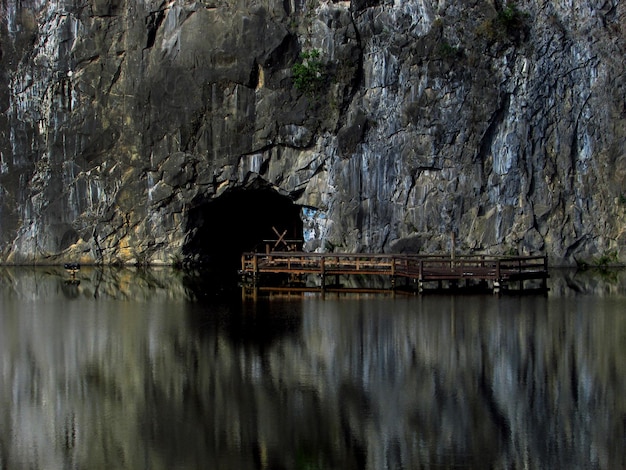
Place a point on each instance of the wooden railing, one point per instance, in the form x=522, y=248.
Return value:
x=422, y=268
x=468, y=267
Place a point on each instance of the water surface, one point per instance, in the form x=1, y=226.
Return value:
x=132, y=369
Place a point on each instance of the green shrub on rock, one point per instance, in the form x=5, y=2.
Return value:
x=509, y=23
x=308, y=72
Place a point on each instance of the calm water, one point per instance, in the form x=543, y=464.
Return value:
x=154, y=370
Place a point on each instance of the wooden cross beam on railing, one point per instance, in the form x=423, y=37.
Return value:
x=281, y=238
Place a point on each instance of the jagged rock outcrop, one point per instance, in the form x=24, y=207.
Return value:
x=503, y=124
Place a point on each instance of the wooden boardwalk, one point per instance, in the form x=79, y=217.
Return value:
x=418, y=271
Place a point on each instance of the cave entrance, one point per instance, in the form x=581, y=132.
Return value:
x=242, y=220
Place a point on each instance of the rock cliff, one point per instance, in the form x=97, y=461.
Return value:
x=382, y=125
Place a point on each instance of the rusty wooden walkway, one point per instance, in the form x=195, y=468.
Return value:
x=496, y=272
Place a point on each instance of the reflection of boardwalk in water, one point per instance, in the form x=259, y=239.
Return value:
x=418, y=272
x=135, y=372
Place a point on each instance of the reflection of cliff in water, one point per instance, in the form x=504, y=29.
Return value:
x=410, y=382
x=196, y=285
x=596, y=281
x=90, y=282
x=488, y=383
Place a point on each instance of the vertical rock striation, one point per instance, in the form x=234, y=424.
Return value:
x=504, y=124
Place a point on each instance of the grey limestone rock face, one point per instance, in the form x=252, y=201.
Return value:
x=503, y=124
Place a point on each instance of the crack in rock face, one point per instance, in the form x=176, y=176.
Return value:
x=500, y=125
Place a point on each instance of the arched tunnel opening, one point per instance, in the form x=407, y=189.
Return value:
x=238, y=221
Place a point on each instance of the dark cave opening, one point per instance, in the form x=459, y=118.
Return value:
x=240, y=220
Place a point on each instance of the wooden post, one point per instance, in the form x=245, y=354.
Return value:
x=497, y=281
x=255, y=269
x=544, y=279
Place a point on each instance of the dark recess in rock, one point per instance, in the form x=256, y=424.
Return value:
x=153, y=22
x=239, y=220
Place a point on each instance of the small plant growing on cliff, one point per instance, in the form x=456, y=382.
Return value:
x=512, y=19
x=448, y=51
x=606, y=259
x=509, y=23
x=308, y=72
x=601, y=263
